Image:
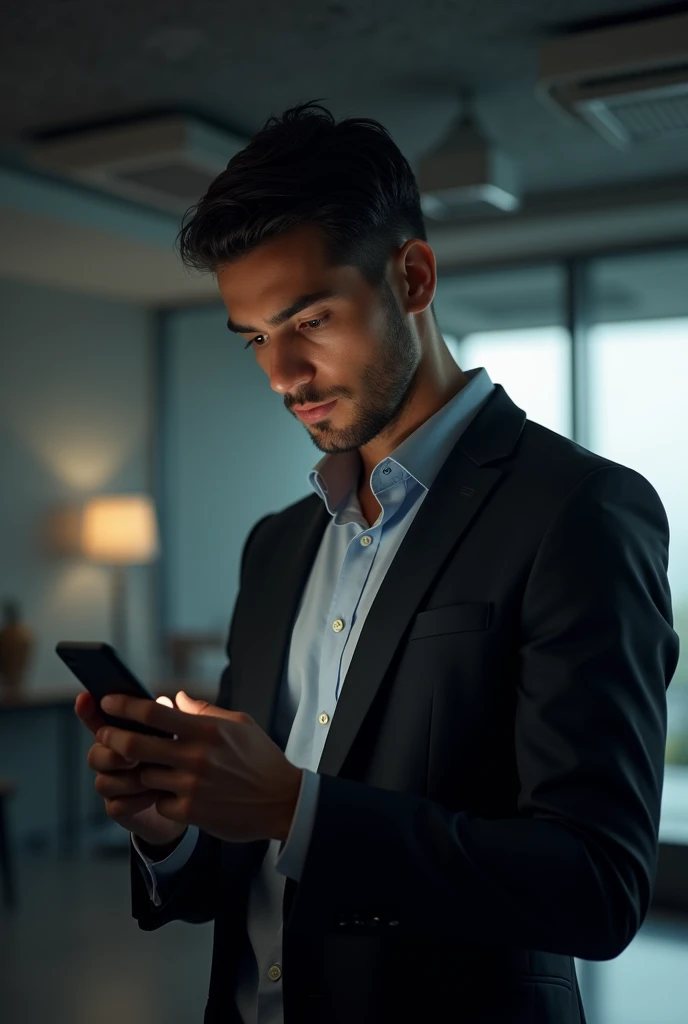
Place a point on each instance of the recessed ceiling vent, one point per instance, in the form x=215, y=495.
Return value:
x=166, y=162
x=629, y=82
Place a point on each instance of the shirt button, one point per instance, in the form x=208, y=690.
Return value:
x=338, y=625
x=323, y=718
x=275, y=972
x=365, y=541
x=387, y=470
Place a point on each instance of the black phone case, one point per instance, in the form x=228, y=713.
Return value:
x=99, y=668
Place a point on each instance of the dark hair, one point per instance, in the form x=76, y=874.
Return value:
x=347, y=178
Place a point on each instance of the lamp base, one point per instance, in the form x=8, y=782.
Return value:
x=119, y=610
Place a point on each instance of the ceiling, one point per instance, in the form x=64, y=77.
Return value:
x=76, y=61
x=95, y=262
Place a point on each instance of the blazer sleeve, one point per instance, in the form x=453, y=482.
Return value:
x=572, y=871
x=191, y=894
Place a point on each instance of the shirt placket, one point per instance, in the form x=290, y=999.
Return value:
x=359, y=558
x=390, y=489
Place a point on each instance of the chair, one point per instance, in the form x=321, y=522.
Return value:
x=7, y=790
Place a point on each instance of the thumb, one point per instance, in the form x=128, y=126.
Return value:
x=201, y=707
x=191, y=706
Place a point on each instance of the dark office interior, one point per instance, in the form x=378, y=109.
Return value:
x=550, y=145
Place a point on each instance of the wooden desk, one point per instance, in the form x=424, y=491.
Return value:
x=61, y=702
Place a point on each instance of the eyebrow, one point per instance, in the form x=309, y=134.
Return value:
x=286, y=314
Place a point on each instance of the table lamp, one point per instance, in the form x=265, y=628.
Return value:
x=120, y=530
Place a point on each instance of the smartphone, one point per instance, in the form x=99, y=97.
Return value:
x=100, y=669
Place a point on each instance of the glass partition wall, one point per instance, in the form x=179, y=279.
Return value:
x=597, y=350
x=638, y=415
x=513, y=323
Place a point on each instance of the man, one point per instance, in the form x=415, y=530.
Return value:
x=433, y=774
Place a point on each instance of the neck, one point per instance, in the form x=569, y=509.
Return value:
x=438, y=380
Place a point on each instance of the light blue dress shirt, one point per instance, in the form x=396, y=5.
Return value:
x=347, y=572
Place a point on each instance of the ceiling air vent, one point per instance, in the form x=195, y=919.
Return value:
x=167, y=161
x=628, y=82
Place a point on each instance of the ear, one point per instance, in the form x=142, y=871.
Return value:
x=416, y=269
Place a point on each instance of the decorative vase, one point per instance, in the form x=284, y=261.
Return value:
x=16, y=644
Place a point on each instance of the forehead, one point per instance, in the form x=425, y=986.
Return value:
x=276, y=273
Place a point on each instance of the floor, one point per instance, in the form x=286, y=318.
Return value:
x=72, y=954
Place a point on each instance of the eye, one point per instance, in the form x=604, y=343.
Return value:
x=315, y=324
x=311, y=325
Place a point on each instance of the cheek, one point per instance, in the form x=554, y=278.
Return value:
x=353, y=349
x=261, y=358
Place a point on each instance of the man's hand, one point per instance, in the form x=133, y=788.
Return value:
x=222, y=773
x=127, y=801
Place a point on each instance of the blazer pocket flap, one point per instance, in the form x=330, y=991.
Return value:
x=456, y=618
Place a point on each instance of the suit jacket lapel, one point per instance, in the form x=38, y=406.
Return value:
x=461, y=488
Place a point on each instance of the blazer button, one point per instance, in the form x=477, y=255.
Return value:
x=275, y=972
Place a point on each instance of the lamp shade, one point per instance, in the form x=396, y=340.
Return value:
x=120, y=529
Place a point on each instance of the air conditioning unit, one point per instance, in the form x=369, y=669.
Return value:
x=466, y=176
x=166, y=161
x=628, y=82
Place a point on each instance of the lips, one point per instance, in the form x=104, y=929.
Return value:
x=319, y=412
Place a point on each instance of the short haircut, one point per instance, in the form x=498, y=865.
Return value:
x=347, y=178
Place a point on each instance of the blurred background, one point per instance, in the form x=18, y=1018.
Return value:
x=139, y=443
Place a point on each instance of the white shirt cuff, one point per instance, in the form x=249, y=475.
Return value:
x=292, y=855
x=158, y=871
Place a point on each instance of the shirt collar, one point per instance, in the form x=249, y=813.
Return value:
x=425, y=451
x=421, y=455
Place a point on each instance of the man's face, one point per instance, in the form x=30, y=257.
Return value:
x=323, y=335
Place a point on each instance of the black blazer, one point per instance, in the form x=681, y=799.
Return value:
x=491, y=781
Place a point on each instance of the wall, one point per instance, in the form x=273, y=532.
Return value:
x=232, y=453
x=75, y=381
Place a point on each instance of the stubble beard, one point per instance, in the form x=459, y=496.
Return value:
x=386, y=389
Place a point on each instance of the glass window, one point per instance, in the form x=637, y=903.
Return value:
x=511, y=322
x=638, y=416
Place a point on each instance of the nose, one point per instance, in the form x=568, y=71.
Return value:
x=288, y=371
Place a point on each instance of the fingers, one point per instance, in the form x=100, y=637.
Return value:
x=103, y=759
x=120, y=785
x=149, y=749
x=87, y=711
x=156, y=714
x=128, y=806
